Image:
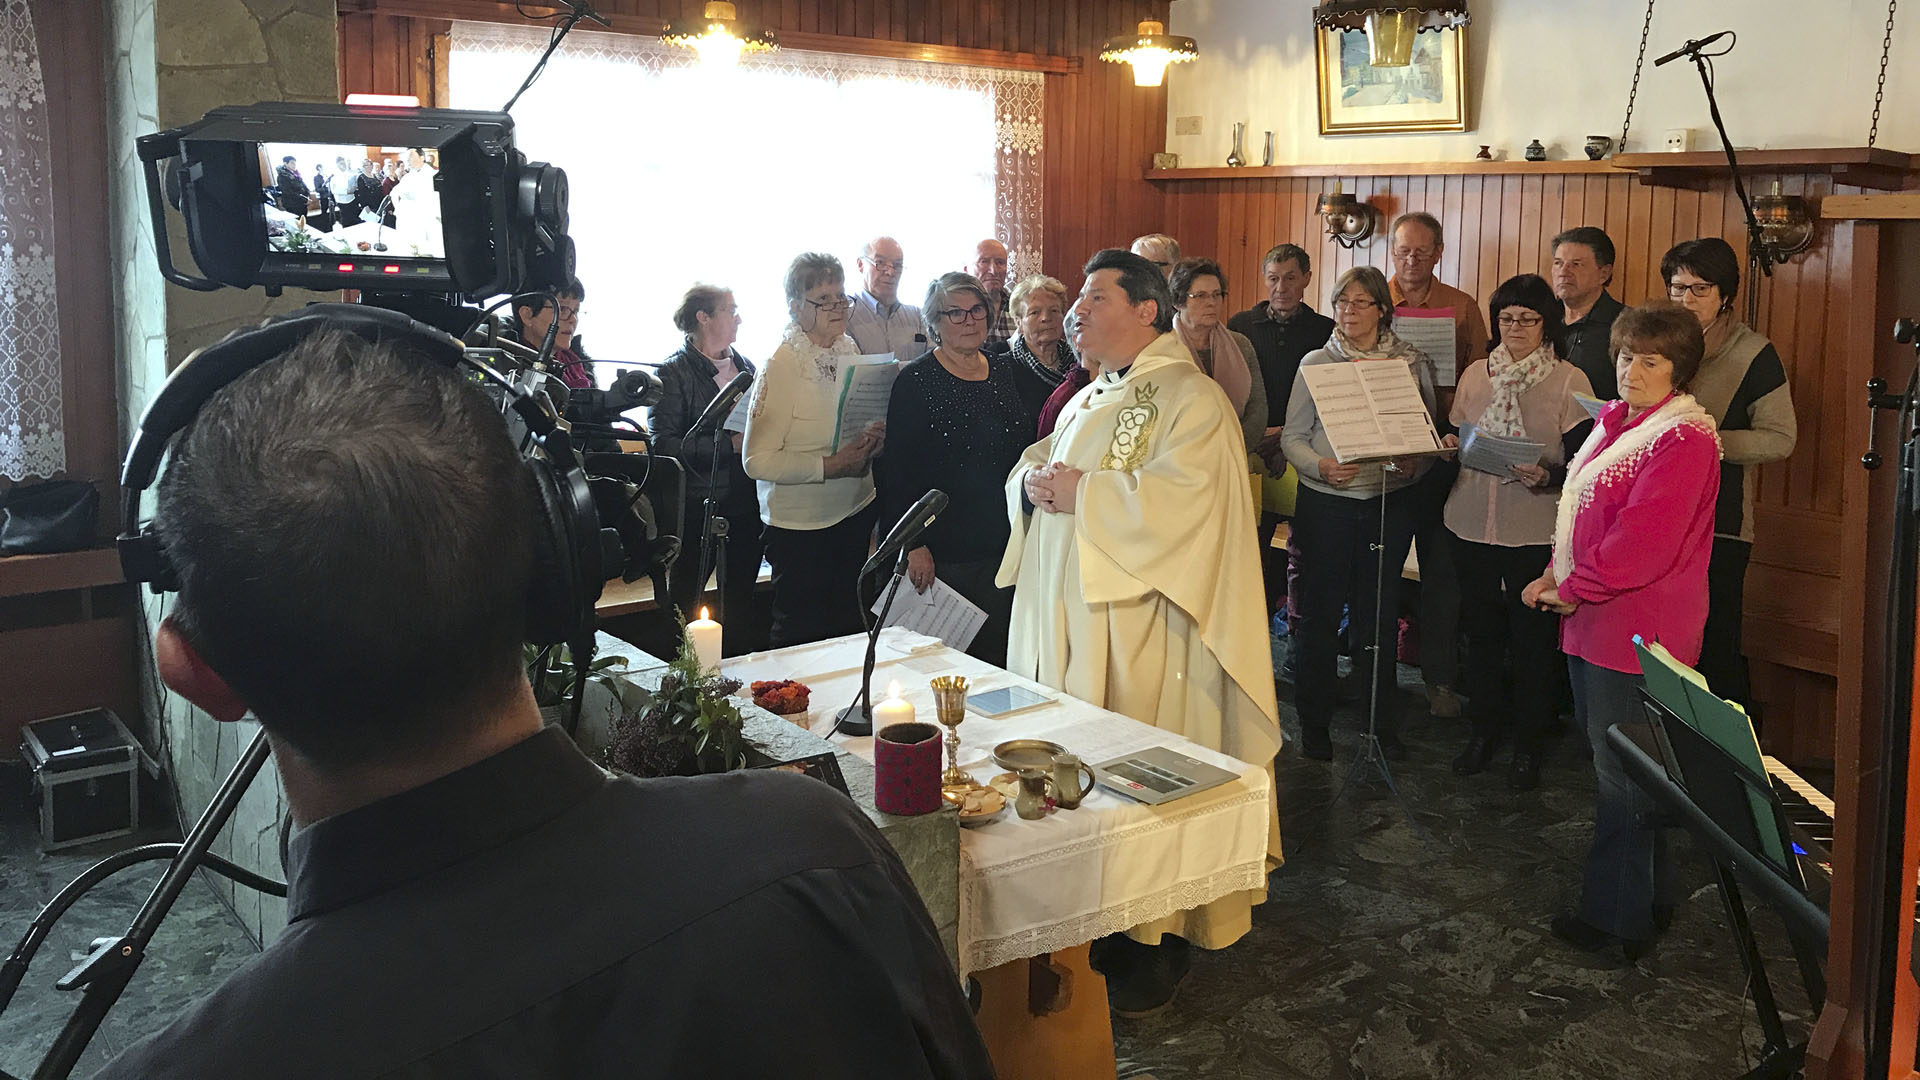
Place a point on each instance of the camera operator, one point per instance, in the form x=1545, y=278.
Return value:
x=692, y=378
x=468, y=894
x=569, y=360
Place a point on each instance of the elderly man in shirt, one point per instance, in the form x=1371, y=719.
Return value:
x=1416, y=250
x=990, y=269
x=878, y=322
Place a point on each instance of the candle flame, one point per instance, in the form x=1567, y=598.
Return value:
x=703, y=614
x=893, y=689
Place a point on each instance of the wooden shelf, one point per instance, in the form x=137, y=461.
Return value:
x=1430, y=168
x=22, y=575
x=1857, y=165
x=1900, y=206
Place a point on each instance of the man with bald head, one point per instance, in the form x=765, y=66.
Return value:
x=990, y=266
x=878, y=322
x=1159, y=249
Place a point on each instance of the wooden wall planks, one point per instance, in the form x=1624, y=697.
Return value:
x=1101, y=130
x=1498, y=226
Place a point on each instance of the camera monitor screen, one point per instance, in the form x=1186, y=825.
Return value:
x=363, y=202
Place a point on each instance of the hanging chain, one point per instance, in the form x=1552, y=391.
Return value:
x=1640, y=62
x=1880, y=91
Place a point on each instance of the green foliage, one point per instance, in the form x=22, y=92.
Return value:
x=688, y=726
x=552, y=672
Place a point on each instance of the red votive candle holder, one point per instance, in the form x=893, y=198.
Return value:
x=906, y=769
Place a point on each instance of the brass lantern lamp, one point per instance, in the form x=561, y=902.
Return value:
x=1786, y=227
x=1349, y=221
x=1391, y=25
x=1149, y=49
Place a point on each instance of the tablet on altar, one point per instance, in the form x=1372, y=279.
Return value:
x=1157, y=775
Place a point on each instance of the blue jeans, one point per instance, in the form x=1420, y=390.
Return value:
x=1628, y=869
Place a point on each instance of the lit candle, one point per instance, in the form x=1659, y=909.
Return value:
x=705, y=635
x=894, y=710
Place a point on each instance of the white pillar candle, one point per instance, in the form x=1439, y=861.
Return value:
x=894, y=710
x=705, y=635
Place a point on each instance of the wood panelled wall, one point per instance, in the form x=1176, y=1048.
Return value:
x=1501, y=225
x=1100, y=128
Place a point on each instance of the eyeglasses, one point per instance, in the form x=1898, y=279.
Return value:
x=895, y=265
x=1216, y=294
x=1524, y=322
x=1354, y=305
x=1702, y=289
x=954, y=314
x=832, y=303
x=1414, y=255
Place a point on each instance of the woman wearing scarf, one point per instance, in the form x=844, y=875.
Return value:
x=1039, y=342
x=1199, y=289
x=1337, y=517
x=817, y=501
x=1502, y=524
x=1743, y=386
x=1631, y=542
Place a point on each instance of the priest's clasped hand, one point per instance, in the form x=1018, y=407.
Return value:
x=1052, y=487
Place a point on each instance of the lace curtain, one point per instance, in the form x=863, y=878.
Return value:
x=31, y=441
x=680, y=173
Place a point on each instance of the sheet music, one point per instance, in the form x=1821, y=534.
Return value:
x=1496, y=454
x=866, y=385
x=1371, y=410
x=939, y=612
x=1593, y=405
x=737, y=419
x=1433, y=332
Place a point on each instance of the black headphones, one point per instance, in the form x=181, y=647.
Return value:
x=567, y=561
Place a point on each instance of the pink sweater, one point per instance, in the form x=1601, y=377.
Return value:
x=1636, y=555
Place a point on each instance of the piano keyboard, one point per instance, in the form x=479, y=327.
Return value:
x=1809, y=816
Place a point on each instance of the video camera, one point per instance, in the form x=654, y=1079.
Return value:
x=484, y=223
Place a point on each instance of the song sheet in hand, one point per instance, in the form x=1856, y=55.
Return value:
x=1371, y=410
x=866, y=385
x=939, y=612
x=737, y=419
x=1496, y=454
x=1433, y=332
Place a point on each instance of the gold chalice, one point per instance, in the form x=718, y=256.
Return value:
x=950, y=707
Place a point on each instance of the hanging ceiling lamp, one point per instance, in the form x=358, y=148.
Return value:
x=1149, y=49
x=1391, y=25
x=719, y=36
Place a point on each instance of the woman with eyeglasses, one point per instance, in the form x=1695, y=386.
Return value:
x=958, y=421
x=1743, y=384
x=1199, y=290
x=1337, y=521
x=1502, y=524
x=817, y=500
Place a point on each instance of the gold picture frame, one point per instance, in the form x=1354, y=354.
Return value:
x=1427, y=96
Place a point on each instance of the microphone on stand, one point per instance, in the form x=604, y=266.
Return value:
x=722, y=403
x=713, y=527
x=857, y=718
x=1691, y=48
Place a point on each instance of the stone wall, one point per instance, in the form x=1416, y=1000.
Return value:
x=169, y=62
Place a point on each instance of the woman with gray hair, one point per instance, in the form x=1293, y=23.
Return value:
x=1039, y=306
x=817, y=499
x=1337, y=519
x=958, y=421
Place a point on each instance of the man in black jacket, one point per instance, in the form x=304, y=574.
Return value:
x=469, y=895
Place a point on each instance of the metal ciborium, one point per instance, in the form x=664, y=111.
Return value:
x=950, y=707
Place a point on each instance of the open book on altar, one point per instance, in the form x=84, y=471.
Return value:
x=1371, y=410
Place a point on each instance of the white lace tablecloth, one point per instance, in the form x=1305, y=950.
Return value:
x=1034, y=887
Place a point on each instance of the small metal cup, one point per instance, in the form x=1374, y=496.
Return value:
x=1035, y=787
x=1067, y=789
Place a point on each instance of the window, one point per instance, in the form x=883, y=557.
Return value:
x=682, y=174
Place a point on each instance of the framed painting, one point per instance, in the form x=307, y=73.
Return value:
x=1356, y=98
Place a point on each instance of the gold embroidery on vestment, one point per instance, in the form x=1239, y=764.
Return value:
x=1131, y=430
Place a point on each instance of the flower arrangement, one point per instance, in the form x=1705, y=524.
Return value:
x=782, y=697
x=687, y=727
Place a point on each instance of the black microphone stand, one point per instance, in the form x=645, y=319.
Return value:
x=857, y=718
x=1759, y=251
x=713, y=536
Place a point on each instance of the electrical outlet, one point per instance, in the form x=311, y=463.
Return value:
x=1679, y=140
x=1186, y=125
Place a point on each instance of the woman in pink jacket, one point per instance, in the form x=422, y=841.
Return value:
x=1630, y=555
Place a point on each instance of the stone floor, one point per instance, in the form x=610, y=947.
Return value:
x=1378, y=954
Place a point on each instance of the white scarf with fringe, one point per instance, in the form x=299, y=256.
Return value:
x=1618, y=462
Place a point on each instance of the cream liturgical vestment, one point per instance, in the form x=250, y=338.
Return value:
x=1147, y=599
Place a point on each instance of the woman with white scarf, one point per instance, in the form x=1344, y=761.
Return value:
x=1502, y=523
x=1337, y=519
x=1199, y=289
x=1631, y=543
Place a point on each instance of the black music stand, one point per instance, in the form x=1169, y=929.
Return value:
x=1710, y=792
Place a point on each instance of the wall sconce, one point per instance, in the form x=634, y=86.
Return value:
x=719, y=36
x=1349, y=221
x=1391, y=25
x=1149, y=49
x=1786, y=227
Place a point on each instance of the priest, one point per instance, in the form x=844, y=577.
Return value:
x=1137, y=580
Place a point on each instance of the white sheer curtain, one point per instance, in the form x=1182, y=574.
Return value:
x=31, y=440
x=682, y=174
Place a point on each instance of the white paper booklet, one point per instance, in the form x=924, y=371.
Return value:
x=939, y=612
x=1371, y=410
